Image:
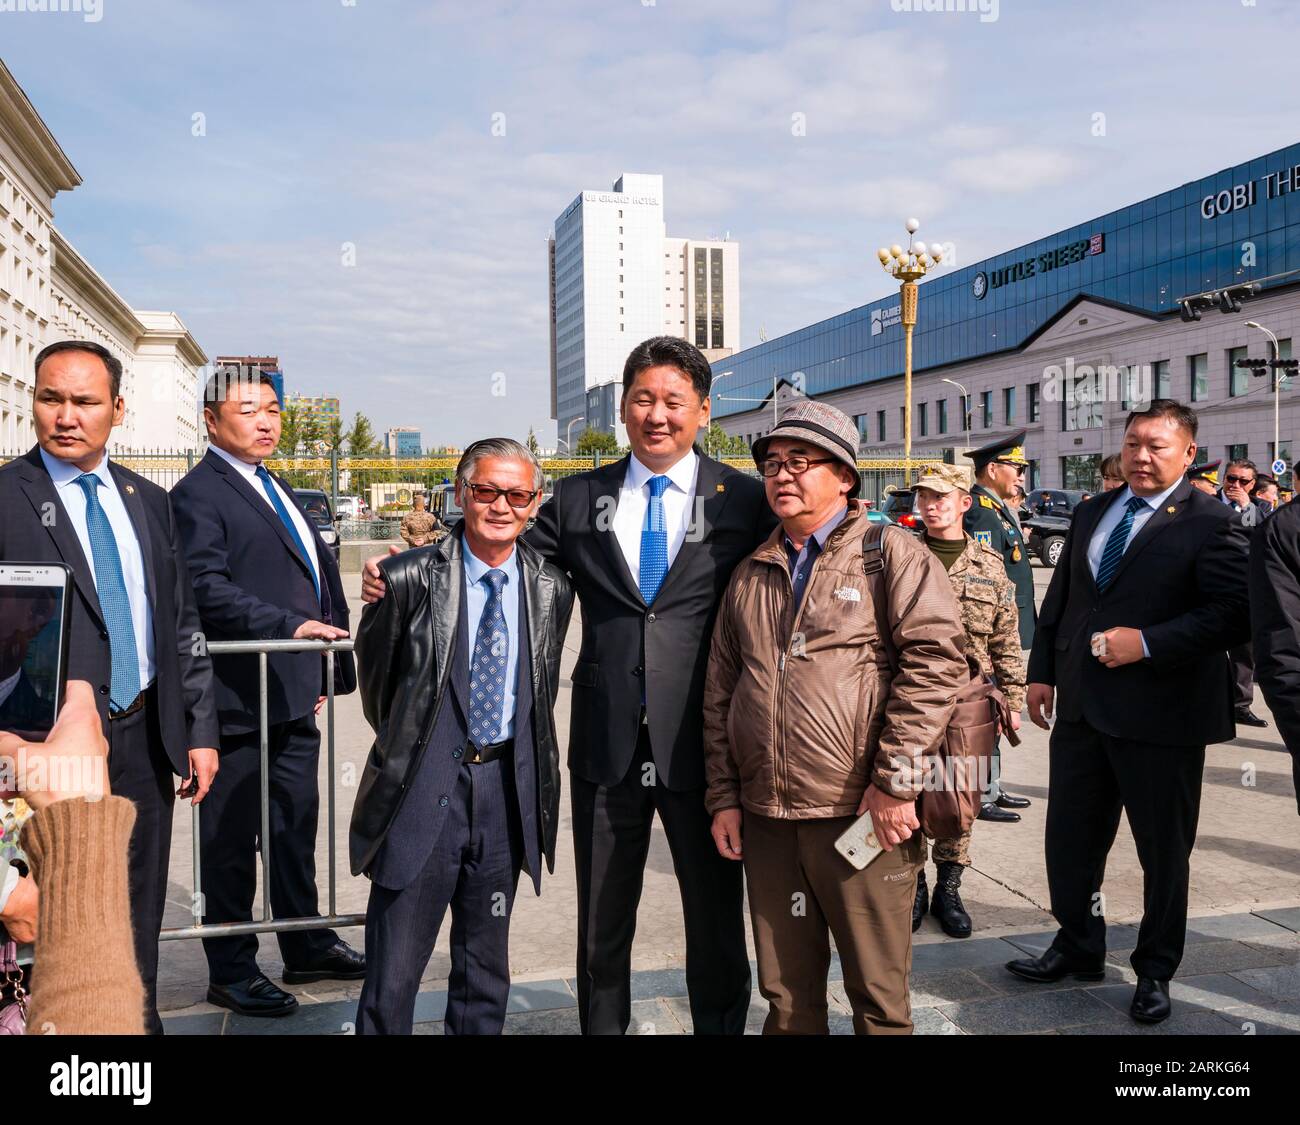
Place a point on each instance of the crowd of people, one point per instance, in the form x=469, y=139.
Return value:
x=760, y=665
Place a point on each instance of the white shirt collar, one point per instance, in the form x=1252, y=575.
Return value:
x=63, y=473
x=475, y=567
x=681, y=475
x=1153, y=502
x=250, y=471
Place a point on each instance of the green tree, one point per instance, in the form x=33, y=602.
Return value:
x=290, y=430
x=719, y=443
x=596, y=441
x=533, y=447
x=360, y=438
x=334, y=433
x=311, y=431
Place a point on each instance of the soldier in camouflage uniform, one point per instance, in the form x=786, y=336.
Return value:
x=420, y=527
x=988, y=609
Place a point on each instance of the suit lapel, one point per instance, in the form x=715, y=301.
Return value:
x=259, y=505
x=139, y=516
x=44, y=499
x=710, y=498
x=445, y=617
x=604, y=487
x=1160, y=519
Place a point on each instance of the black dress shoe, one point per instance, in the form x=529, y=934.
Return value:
x=1150, y=1001
x=1007, y=801
x=339, y=962
x=990, y=811
x=1246, y=717
x=1052, y=966
x=921, y=903
x=256, y=996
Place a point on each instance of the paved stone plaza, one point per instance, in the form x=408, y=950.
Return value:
x=1240, y=974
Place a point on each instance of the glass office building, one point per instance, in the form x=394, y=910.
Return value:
x=1147, y=255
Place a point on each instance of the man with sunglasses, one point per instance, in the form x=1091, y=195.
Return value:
x=999, y=471
x=1238, y=490
x=460, y=663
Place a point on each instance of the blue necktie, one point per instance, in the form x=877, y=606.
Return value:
x=487, y=671
x=654, y=542
x=1116, y=542
x=110, y=586
x=280, y=510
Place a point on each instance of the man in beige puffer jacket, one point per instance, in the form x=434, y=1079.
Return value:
x=809, y=723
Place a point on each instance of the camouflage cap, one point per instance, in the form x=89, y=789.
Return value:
x=945, y=478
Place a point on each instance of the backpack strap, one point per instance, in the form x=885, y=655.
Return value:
x=873, y=566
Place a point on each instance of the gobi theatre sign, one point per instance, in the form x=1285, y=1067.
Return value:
x=1247, y=194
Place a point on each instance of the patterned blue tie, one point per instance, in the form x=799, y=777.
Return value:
x=110, y=585
x=1116, y=542
x=654, y=542
x=487, y=671
x=273, y=494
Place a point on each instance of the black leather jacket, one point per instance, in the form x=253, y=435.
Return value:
x=403, y=648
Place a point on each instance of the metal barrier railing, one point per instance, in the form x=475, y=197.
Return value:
x=268, y=924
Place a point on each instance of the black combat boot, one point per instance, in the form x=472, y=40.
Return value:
x=947, y=905
x=921, y=903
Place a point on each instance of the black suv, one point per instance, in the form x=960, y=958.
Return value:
x=317, y=506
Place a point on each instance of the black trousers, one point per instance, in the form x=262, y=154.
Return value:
x=230, y=829
x=611, y=839
x=1243, y=675
x=1093, y=778
x=139, y=769
x=474, y=870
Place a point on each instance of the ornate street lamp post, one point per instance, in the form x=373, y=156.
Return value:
x=909, y=266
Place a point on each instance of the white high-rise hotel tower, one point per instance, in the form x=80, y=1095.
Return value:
x=617, y=279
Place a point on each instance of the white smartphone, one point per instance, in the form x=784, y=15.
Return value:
x=35, y=606
x=858, y=843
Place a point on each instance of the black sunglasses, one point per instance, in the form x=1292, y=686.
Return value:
x=515, y=497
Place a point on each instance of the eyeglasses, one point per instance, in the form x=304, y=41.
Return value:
x=515, y=497
x=1230, y=479
x=797, y=465
x=1014, y=464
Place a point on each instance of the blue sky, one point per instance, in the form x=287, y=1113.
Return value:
x=371, y=123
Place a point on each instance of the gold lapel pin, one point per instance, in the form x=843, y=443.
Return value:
x=722, y=488
x=1171, y=509
x=130, y=490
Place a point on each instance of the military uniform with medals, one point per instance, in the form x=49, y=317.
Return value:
x=990, y=522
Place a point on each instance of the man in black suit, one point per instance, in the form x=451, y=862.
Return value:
x=650, y=542
x=134, y=623
x=1134, y=634
x=1240, y=480
x=1275, y=623
x=261, y=572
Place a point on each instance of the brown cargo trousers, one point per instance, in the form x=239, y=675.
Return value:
x=801, y=893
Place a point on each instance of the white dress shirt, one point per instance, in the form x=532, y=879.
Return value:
x=634, y=506
x=73, y=499
x=476, y=595
x=1110, y=520
x=249, y=473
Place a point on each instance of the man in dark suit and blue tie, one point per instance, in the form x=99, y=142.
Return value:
x=261, y=572
x=134, y=623
x=460, y=663
x=1134, y=634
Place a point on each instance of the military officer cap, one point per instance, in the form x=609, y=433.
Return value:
x=1011, y=449
x=1209, y=471
x=945, y=478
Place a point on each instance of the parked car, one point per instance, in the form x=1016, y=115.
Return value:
x=317, y=506
x=1045, y=537
x=1054, y=501
x=900, y=507
x=352, y=507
